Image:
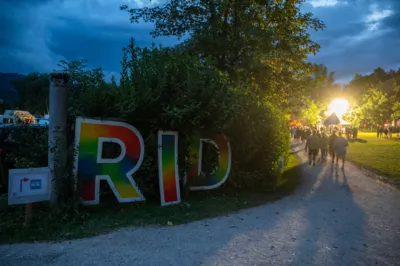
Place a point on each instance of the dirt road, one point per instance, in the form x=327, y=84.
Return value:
x=335, y=218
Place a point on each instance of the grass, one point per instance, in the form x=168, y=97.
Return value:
x=109, y=215
x=380, y=155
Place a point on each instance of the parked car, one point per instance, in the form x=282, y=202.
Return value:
x=44, y=120
x=18, y=117
x=37, y=117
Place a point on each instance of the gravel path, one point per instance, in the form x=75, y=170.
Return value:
x=335, y=218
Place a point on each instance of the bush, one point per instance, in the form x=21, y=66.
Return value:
x=25, y=146
x=162, y=90
x=259, y=139
x=22, y=147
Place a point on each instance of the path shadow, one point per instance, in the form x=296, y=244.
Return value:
x=335, y=226
x=328, y=225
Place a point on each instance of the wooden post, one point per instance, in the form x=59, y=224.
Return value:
x=28, y=214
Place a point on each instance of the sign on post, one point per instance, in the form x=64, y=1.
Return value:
x=28, y=185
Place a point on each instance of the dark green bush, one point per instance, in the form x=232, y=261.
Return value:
x=161, y=90
x=22, y=147
x=259, y=139
x=25, y=146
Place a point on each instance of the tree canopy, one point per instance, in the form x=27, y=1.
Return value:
x=264, y=42
x=376, y=97
x=33, y=91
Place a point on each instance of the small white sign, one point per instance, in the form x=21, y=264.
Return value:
x=28, y=185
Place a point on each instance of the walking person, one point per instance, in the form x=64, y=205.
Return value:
x=355, y=133
x=386, y=131
x=324, y=146
x=347, y=131
x=340, y=146
x=301, y=129
x=331, y=142
x=295, y=135
x=312, y=145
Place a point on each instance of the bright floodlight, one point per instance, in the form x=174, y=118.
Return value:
x=338, y=106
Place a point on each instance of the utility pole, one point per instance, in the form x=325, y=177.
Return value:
x=57, y=131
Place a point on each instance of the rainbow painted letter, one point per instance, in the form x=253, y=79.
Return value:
x=91, y=167
x=168, y=172
x=220, y=175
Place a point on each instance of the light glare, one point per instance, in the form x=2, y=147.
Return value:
x=338, y=106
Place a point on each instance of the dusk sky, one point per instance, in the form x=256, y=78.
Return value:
x=361, y=35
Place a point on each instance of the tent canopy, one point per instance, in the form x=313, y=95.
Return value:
x=333, y=119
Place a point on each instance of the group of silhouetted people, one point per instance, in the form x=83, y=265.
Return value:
x=351, y=132
x=318, y=142
x=387, y=131
x=300, y=134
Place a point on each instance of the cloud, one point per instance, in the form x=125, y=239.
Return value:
x=23, y=45
x=373, y=19
x=361, y=35
x=324, y=3
x=39, y=33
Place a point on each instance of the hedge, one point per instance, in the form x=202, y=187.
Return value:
x=161, y=90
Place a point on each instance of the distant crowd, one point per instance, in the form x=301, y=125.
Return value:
x=387, y=131
x=331, y=141
x=323, y=141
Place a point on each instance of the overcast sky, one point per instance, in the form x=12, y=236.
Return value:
x=361, y=35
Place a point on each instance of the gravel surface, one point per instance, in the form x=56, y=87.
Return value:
x=334, y=218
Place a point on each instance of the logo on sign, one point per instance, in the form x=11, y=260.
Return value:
x=36, y=184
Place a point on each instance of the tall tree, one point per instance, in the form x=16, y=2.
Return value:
x=33, y=91
x=377, y=96
x=84, y=83
x=376, y=107
x=324, y=88
x=379, y=78
x=266, y=42
x=311, y=114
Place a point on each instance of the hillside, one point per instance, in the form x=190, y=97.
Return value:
x=7, y=92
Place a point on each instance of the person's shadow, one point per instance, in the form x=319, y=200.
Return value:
x=334, y=231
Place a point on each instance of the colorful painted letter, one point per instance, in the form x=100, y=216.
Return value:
x=168, y=172
x=220, y=175
x=91, y=167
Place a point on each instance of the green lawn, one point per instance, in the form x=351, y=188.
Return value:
x=110, y=215
x=377, y=154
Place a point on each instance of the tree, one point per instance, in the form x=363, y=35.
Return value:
x=375, y=107
x=33, y=90
x=318, y=89
x=324, y=88
x=355, y=115
x=311, y=114
x=377, y=96
x=264, y=42
x=396, y=111
x=88, y=92
x=394, y=100
x=378, y=78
